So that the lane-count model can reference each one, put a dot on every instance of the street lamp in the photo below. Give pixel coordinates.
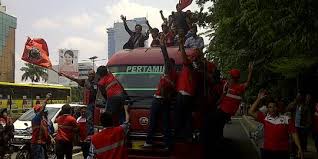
(93, 60)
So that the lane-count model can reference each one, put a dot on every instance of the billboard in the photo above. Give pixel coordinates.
(68, 64)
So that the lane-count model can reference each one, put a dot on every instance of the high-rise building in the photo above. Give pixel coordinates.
(117, 35)
(8, 24)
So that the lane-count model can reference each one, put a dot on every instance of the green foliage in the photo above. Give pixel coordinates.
(283, 32)
(34, 73)
(77, 94)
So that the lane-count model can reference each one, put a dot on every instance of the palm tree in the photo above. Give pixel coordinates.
(34, 72)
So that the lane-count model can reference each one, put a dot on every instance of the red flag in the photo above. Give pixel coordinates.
(184, 3)
(36, 52)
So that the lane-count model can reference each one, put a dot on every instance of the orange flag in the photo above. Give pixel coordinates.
(37, 53)
(184, 3)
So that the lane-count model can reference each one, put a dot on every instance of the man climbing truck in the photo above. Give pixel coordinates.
(139, 71)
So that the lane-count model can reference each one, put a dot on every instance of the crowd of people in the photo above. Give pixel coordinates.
(178, 22)
(298, 119)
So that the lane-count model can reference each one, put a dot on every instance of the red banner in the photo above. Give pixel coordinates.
(184, 3)
(37, 53)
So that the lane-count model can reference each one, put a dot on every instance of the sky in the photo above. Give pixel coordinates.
(78, 24)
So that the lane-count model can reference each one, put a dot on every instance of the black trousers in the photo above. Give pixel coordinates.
(159, 106)
(221, 118)
(85, 148)
(268, 154)
(183, 116)
(64, 148)
(115, 105)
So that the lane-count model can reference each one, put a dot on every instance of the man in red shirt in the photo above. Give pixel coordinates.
(40, 130)
(113, 92)
(65, 133)
(186, 88)
(162, 97)
(230, 99)
(169, 36)
(109, 143)
(81, 122)
(277, 128)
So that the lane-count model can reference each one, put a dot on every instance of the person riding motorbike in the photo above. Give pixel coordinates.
(6, 132)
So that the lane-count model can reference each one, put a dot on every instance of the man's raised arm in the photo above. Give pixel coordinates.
(182, 50)
(80, 82)
(48, 96)
(125, 25)
(249, 77)
(167, 62)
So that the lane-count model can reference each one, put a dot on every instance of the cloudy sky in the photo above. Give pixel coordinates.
(78, 24)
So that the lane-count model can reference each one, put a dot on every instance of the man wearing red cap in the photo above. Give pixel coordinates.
(40, 130)
(231, 98)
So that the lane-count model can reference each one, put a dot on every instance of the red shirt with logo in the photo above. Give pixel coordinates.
(166, 83)
(187, 80)
(66, 127)
(81, 122)
(111, 85)
(231, 97)
(276, 131)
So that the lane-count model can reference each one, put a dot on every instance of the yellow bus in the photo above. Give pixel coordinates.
(22, 96)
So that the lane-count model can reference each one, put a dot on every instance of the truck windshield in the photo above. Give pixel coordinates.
(139, 85)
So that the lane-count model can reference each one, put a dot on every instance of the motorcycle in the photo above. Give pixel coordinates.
(5, 149)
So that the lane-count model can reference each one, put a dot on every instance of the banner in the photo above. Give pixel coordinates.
(68, 62)
(36, 52)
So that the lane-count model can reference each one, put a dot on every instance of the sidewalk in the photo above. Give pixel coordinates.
(251, 125)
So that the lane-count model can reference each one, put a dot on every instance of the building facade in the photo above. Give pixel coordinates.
(8, 24)
(117, 35)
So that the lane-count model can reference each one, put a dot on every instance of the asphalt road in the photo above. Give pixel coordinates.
(237, 143)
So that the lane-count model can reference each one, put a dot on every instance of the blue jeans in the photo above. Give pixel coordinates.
(90, 118)
(38, 151)
(159, 106)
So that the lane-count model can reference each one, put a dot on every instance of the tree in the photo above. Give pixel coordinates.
(281, 35)
(34, 73)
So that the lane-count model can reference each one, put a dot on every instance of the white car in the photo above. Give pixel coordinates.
(22, 125)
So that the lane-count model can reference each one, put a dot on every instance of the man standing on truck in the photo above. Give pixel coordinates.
(90, 91)
(109, 143)
(40, 130)
(113, 92)
(186, 88)
(162, 97)
(137, 38)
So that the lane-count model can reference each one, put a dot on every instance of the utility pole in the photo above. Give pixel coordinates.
(93, 60)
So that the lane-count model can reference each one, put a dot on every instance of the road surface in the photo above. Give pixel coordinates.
(237, 143)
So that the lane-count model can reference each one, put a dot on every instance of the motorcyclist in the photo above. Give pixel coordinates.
(6, 131)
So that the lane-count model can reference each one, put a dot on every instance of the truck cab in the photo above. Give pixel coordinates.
(139, 71)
